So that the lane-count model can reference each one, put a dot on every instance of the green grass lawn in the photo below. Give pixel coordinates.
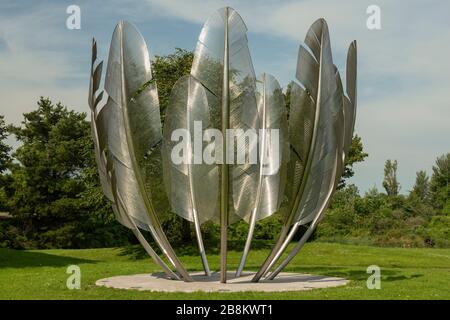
(406, 273)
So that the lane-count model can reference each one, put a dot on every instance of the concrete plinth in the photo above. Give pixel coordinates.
(283, 282)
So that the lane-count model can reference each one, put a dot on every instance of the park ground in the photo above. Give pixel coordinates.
(406, 273)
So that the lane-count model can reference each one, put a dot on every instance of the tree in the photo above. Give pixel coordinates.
(390, 182)
(167, 70)
(440, 183)
(5, 157)
(55, 159)
(5, 161)
(356, 154)
(421, 187)
(287, 98)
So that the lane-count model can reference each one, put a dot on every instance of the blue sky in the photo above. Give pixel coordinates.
(404, 74)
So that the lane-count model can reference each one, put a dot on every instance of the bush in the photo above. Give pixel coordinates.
(438, 231)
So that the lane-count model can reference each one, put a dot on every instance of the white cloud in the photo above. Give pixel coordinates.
(404, 107)
(33, 63)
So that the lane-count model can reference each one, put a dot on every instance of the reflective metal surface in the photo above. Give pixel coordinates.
(223, 66)
(313, 164)
(129, 125)
(190, 187)
(105, 166)
(345, 123)
(272, 161)
(302, 169)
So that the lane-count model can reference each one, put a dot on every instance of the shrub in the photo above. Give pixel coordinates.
(438, 231)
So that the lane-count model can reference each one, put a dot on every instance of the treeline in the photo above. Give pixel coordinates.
(419, 219)
(49, 187)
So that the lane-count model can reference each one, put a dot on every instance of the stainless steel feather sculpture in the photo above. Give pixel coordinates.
(223, 67)
(190, 186)
(222, 173)
(129, 126)
(272, 163)
(316, 136)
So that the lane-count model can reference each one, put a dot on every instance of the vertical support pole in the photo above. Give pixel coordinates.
(224, 174)
(198, 231)
(293, 253)
(311, 228)
(248, 242)
(201, 247)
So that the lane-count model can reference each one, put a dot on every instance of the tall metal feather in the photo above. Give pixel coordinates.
(93, 100)
(104, 163)
(223, 66)
(121, 209)
(313, 163)
(190, 184)
(344, 131)
(350, 97)
(273, 155)
(131, 121)
(97, 134)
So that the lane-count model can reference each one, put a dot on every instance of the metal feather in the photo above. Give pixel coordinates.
(130, 121)
(190, 184)
(273, 156)
(350, 97)
(246, 178)
(99, 144)
(122, 211)
(319, 100)
(222, 65)
(345, 121)
(105, 163)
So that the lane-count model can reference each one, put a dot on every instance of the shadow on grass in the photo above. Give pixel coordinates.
(386, 274)
(10, 258)
(137, 251)
(350, 272)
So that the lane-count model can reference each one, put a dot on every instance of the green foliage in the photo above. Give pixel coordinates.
(386, 220)
(167, 70)
(421, 188)
(52, 190)
(440, 182)
(5, 162)
(356, 154)
(5, 158)
(54, 195)
(266, 229)
(406, 273)
(438, 231)
(390, 182)
(287, 98)
(392, 219)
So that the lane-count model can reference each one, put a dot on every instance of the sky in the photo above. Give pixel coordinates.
(403, 70)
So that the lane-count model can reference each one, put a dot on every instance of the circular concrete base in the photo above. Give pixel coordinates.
(160, 283)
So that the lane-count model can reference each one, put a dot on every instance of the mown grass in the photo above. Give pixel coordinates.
(405, 273)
